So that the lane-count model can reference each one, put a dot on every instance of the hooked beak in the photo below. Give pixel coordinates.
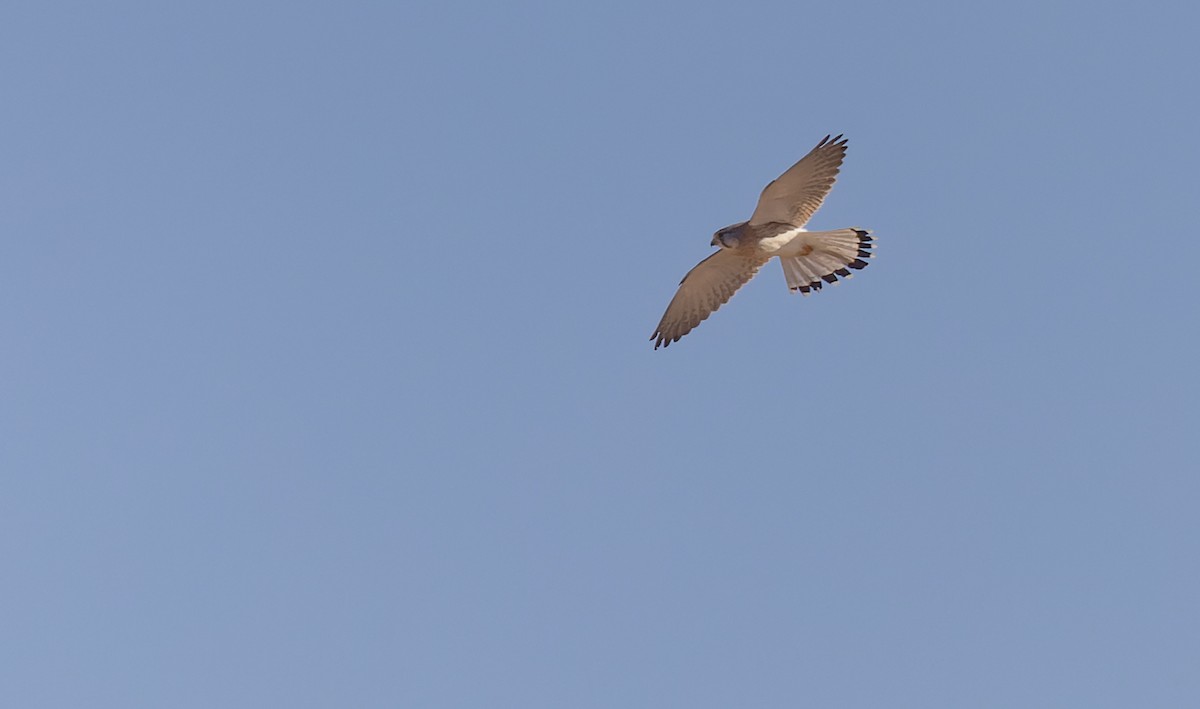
(713, 242)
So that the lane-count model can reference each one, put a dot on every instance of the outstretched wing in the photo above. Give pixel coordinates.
(798, 193)
(704, 289)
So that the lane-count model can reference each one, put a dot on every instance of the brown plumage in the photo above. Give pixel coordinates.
(809, 258)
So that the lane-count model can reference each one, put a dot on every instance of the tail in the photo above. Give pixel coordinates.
(817, 256)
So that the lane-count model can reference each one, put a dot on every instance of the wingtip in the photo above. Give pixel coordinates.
(835, 141)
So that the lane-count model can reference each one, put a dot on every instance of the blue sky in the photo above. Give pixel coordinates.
(328, 380)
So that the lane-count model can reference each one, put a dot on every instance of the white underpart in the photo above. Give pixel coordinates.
(780, 244)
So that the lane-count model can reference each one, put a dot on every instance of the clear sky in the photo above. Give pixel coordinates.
(327, 380)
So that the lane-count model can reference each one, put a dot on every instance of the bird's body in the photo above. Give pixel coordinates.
(775, 230)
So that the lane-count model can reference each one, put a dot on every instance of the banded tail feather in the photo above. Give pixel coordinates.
(826, 256)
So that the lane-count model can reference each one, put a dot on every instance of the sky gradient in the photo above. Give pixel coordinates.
(328, 380)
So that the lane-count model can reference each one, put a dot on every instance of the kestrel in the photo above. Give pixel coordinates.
(775, 229)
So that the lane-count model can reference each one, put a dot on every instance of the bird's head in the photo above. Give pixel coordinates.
(729, 237)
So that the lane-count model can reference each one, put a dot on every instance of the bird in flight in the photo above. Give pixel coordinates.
(809, 258)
